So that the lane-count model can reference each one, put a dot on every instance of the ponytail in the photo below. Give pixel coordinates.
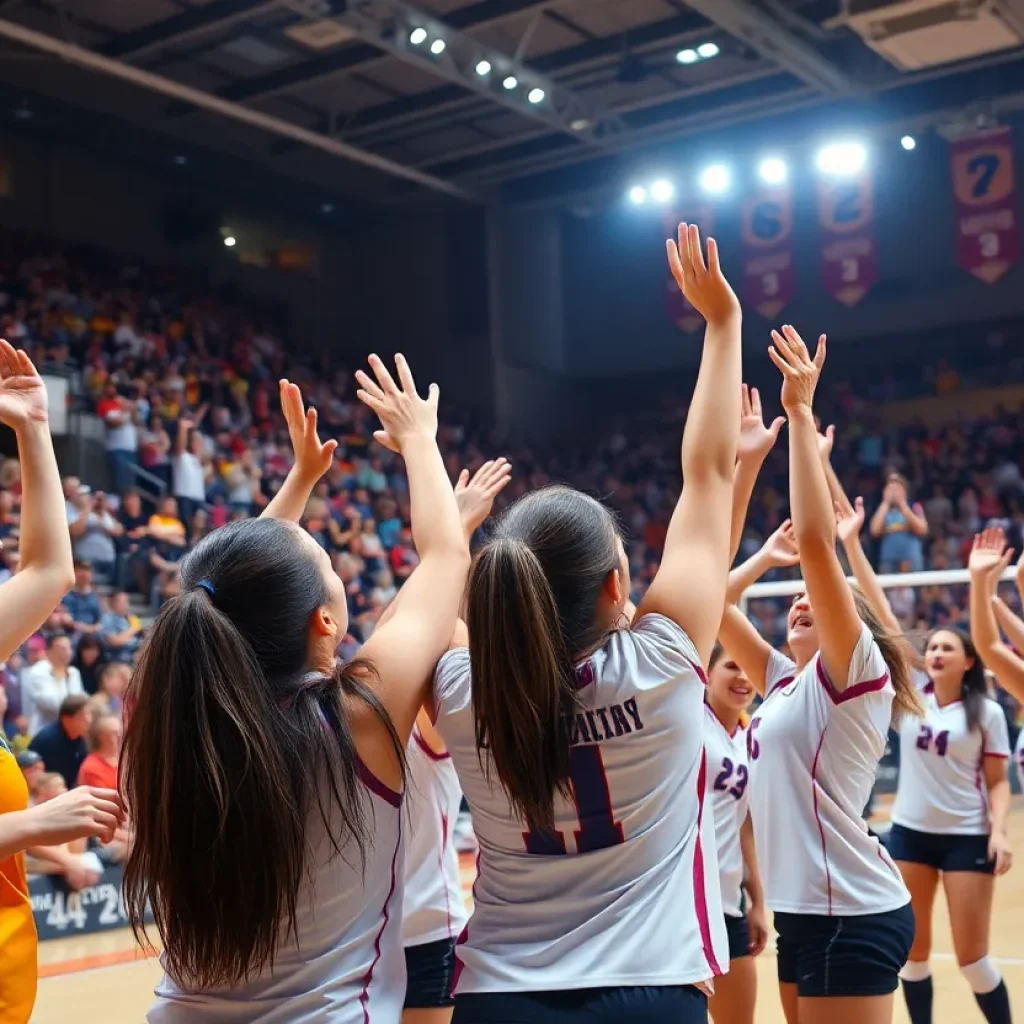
(230, 748)
(524, 683)
(898, 657)
(973, 686)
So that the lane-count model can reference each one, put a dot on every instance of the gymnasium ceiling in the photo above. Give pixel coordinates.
(405, 123)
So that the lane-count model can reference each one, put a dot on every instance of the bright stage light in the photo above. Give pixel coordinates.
(908, 142)
(708, 50)
(715, 179)
(229, 241)
(437, 47)
(417, 36)
(662, 190)
(483, 67)
(535, 95)
(842, 158)
(511, 82)
(687, 57)
(773, 171)
(638, 195)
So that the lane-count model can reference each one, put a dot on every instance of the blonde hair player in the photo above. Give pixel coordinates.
(841, 909)
(579, 740)
(434, 912)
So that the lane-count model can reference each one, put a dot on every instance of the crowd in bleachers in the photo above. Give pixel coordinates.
(185, 384)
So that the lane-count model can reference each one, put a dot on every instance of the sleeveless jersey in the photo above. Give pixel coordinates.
(942, 782)
(728, 777)
(813, 753)
(627, 883)
(17, 928)
(433, 908)
(347, 966)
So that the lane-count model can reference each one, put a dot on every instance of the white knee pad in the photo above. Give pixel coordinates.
(916, 970)
(983, 976)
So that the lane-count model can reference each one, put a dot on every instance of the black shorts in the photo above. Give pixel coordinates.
(739, 936)
(942, 852)
(654, 1004)
(844, 956)
(430, 969)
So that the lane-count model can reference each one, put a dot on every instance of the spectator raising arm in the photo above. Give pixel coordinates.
(46, 571)
(312, 459)
(689, 587)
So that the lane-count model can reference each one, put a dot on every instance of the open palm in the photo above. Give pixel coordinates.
(312, 458)
(22, 392)
(756, 440)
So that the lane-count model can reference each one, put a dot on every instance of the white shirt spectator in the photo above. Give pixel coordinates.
(189, 481)
(43, 690)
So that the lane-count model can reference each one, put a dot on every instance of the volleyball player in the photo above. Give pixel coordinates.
(725, 741)
(841, 909)
(578, 740)
(265, 784)
(434, 912)
(44, 575)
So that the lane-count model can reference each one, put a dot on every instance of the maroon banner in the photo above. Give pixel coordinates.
(768, 270)
(985, 196)
(849, 249)
(679, 310)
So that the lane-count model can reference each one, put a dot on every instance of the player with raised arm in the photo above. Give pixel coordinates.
(841, 909)
(579, 740)
(246, 743)
(45, 573)
(434, 912)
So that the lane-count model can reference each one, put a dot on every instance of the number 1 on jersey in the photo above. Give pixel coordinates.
(598, 827)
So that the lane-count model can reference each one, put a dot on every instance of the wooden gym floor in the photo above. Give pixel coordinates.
(105, 979)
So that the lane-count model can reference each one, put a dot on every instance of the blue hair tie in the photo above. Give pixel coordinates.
(207, 586)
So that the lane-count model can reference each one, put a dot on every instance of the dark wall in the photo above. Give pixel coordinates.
(615, 270)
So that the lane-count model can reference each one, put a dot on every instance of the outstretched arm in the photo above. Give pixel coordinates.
(689, 587)
(45, 573)
(777, 551)
(988, 559)
(312, 459)
(745, 646)
(839, 625)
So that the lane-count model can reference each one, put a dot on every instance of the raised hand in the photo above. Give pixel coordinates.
(989, 554)
(800, 372)
(475, 497)
(825, 442)
(849, 519)
(780, 548)
(22, 392)
(704, 285)
(403, 414)
(756, 440)
(83, 813)
(312, 459)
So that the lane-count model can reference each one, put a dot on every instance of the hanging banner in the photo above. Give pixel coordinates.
(985, 195)
(849, 249)
(769, 273)
(679, 310)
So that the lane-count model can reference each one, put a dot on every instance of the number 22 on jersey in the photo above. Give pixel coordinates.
(598, 827)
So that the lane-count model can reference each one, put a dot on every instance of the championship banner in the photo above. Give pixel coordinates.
(849, 249)
(679, 310)
(768, 269)
(985, 196)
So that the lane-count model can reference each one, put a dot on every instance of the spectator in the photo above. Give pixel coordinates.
(61, 744)
(120, 630)
(33, 767)
(132, 554)
(100, 767)
(82, 603)
(900, 527)
(187, 464)
(114, 677)
(155, 451)
(88, 661)
(48, 683)
(79, 868)
(119, 417)
(94, 533)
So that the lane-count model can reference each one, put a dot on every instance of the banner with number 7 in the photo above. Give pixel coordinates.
(985, 194)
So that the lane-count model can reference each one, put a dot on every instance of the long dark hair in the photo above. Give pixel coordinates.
(973, 686)
(231, 744)
(532, 604)
(898, 656)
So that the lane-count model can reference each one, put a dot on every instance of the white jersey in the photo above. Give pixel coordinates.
(1018, 757)
(942, 783)
(434, 908)
(627, 883)
(813, 754)
(347, 966)
(728, 776)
